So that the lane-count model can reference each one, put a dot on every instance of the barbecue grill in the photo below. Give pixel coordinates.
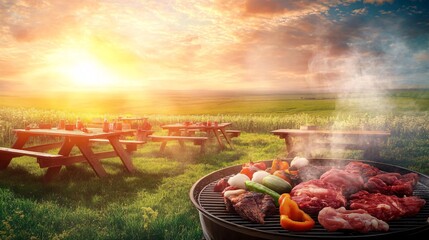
(217, 223)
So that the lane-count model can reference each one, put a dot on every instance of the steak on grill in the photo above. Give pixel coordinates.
(358, 220)
(364, 170)
(392, 184)
(312, 196)
(347, 181)
(252, 206)
(221, 184)
(386, 207)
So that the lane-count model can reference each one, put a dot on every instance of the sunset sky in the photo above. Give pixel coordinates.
(268, 45)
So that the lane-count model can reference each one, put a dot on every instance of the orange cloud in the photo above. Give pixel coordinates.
(378, 2)
(29, 20)
(196, 44)
(251, 8)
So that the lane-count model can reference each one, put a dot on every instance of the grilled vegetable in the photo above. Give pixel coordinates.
(233, 192)
(292, 217)
(257, 187)
(238, 180)
(284, 174)
(247, 171)
(259, 175)
(277, 184)
(299, 162)
(278, 164)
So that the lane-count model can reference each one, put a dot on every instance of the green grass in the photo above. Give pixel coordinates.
(153, 202)
(212, 103)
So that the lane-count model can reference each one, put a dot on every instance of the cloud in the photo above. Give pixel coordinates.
(32, 20)
(422, 56)
(252, 8)
(365, 55)
(231, 43)
(378, 2)
(360, 11)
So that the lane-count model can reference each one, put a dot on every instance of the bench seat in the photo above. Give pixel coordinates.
(13, 152)
(164, 139)
(20, 152)
(130, 145)
(304, 141)
(233, 133)
(141, 135)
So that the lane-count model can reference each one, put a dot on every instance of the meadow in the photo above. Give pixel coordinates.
(153, 202)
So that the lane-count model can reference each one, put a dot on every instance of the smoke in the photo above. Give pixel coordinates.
(360, 69)
(361, 62)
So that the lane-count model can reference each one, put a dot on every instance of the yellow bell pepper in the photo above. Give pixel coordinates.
(292, 217)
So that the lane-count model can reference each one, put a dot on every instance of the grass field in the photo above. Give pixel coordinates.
(214, 103)
(153, 203)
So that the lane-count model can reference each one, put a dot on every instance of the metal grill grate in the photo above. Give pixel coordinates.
(211, 205)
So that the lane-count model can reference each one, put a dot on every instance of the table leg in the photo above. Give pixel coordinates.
(182, 144)
(123, 155)
(371, 150)
(222, 146)
(65, 151)
(163, 144)
(228, 140)
(19, 143)
(94, 161)
(289, 146)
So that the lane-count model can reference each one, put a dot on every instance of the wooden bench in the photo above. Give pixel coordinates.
(130, 145)
(233, 133)
(13, 152)
(141, 135)
(306, 140)
(164, 139)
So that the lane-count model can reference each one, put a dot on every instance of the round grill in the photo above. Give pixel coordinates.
(217, 223)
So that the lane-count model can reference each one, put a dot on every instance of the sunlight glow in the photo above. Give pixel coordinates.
(81, 70)
(90, 73)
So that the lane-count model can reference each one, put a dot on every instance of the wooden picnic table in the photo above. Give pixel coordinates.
(369, 141)
(141, 125)
(71, 138)
(178, 129)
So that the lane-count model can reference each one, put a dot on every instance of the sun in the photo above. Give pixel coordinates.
(85, 70)
(89, 72)
(96, 64)
(80, 69)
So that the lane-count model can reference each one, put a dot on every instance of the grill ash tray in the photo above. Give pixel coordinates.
(217, 223)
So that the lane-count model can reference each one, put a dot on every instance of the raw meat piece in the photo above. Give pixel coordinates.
(386, 207)
(358, 220)
(221, 184)
(312, 196)
(348, 182)
(364, 170)
(392, 184)
(251, 206)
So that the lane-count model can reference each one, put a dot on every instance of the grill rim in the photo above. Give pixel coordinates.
(203, 182)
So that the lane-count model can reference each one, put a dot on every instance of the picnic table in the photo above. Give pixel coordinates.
(71, 138)
(369, 141)
(211, 129)
(141, 125)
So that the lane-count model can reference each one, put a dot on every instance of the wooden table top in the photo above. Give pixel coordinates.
(329, 132)
(131, 118)
(92, 132)
(195, 125)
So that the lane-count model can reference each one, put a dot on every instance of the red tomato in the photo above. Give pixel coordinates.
(247, 171)
(260, 165)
